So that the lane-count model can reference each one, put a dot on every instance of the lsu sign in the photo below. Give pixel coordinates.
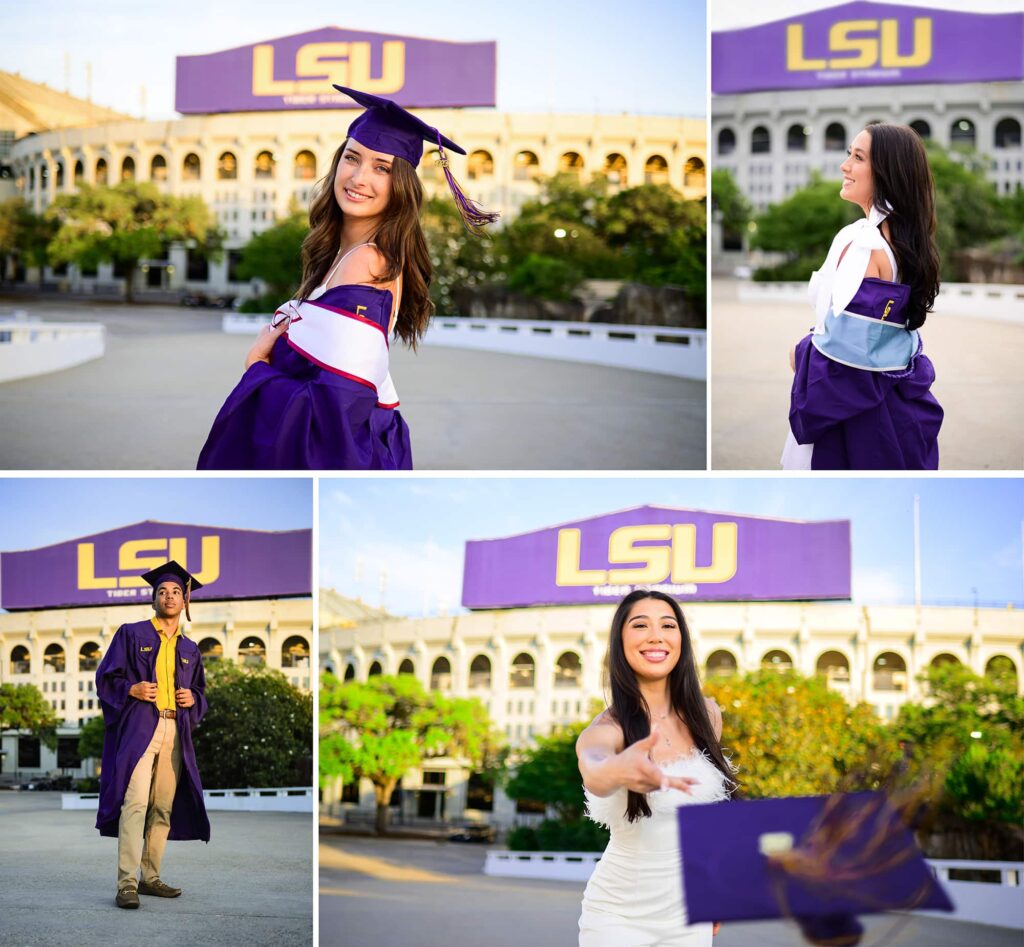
(298, 72)
(106, 569)
(866, 43)
(690, 554)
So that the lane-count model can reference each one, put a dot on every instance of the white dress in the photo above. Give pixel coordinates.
(635, 896)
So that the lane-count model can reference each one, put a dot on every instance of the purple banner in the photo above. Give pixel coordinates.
(864, 44)
(297, 72)
(690, 555)
(105, 569)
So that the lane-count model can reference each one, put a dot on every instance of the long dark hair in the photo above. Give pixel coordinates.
(629, 708)
(399, 239)
(903, 181)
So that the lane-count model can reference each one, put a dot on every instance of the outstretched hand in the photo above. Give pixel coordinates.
(639, 773)
(264, 345)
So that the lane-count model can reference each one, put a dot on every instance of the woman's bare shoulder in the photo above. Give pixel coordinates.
(603, 730)
(365, 264)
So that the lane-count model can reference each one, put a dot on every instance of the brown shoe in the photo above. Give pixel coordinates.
(127, 898)
(159, 889)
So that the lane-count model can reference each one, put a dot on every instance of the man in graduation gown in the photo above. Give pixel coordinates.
(151, 687)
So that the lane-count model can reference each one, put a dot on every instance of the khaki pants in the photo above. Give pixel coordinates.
(146, 810)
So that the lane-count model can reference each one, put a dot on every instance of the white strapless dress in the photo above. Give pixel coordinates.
(635, 896)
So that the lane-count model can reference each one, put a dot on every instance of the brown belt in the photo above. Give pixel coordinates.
(171, 714)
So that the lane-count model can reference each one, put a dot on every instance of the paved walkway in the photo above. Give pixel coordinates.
(401, 893)
(466, 410)
(979, 384)
(251, 886)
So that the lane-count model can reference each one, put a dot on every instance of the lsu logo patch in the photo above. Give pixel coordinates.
(184, 660)
(147, 648)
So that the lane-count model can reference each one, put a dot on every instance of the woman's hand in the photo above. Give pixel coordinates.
(792, 359)
(715, 928)
(183, 697)
(636, 770)
(144, 690)
(262, 347)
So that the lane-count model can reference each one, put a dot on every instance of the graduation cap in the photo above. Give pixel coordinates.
(172, 572)
(820, 860)
(388, 128)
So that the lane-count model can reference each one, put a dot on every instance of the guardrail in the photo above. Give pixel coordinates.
(681, 353)
(30, 348)
(274, 799)
(553, 866)
(1001, 301)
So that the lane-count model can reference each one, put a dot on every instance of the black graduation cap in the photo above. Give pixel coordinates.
(172, 572)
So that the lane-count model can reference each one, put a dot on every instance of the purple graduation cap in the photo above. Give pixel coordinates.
(172, 572)
(820, 860)
(388, 128)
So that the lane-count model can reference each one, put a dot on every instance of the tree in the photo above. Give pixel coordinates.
(548, 772)
(275, 256)
(23, 707)
(124, 224)
(90, 739)
(25, 234)
(380, 729)
(729, 202)
(258, 730)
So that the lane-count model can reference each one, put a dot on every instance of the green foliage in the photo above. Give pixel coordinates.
(523, 839)
(548, 772)
(382, 728)
(23, 707)
(258, 730)
(580, 835)
(275, 256)
(266, 303)
(544, 277)
(729, 201)
(89, 784)
(792, 736)
(25, 234)
(90, 739)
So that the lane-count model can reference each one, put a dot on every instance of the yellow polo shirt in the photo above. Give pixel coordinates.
(165, 668)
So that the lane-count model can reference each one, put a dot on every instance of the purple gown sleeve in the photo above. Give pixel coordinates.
(198, 710)
(112, 684)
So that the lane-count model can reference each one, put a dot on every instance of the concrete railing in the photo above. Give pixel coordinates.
(552, 866)
(999, 902)
(30, 348)
(664, 351)
(1004, 302)
(276, 799)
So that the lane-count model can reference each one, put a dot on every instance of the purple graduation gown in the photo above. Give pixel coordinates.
(130, 725)
(865, 420)
(294, 414)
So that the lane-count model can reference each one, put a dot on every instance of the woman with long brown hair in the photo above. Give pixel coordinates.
(317, 393)
(656, 747)
(861, 396)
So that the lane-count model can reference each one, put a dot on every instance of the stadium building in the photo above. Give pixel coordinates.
(756, 593)
(64, 603)
(259, 125)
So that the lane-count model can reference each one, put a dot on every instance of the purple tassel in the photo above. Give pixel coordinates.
(474, 217)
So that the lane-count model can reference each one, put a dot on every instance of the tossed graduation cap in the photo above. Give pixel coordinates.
(388, 128)
(172, 572)
(819, 860)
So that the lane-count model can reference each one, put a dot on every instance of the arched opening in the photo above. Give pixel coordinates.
(570, 163)
(656, 170)
(835, 137)
(524, 671)
(101, 171)
(430, 167)
(480, 673)
(796, 137)
(944, 659)
(191, 169)
(253, 652)
(158, 168)
(227, 167)
(777, 660)
(525, 166)
(923, 129)
(79, 172)
(834, 666)
(962, 133)
(726, 141)
(350, 672)
(889, 672)
(60, 175)
(295, 652)
(89, 656)
(441, 675)
(44, 177)
(720, 664)
(53, 659)
(305, 166)
(479, 165)
(264, 165)
(211, 649)
(1007, 133)
(407, 667)
(615, 169)
(695, 173)
(128, 169)
(568, 670)
(21, 660)
(1000, 667)
(375, 670)
(760, 141)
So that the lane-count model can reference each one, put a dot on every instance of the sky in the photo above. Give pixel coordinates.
(41, 511)
(646, 57)
(734, 14)
(414, 530)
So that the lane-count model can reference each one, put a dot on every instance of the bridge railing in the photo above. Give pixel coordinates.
(272, 799)
(30, 348)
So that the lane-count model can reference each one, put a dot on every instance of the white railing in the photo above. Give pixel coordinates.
(276, 799)
(1002, 301)
(30, 348)
(553, 866)
(662, 350)
(1000, 903)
